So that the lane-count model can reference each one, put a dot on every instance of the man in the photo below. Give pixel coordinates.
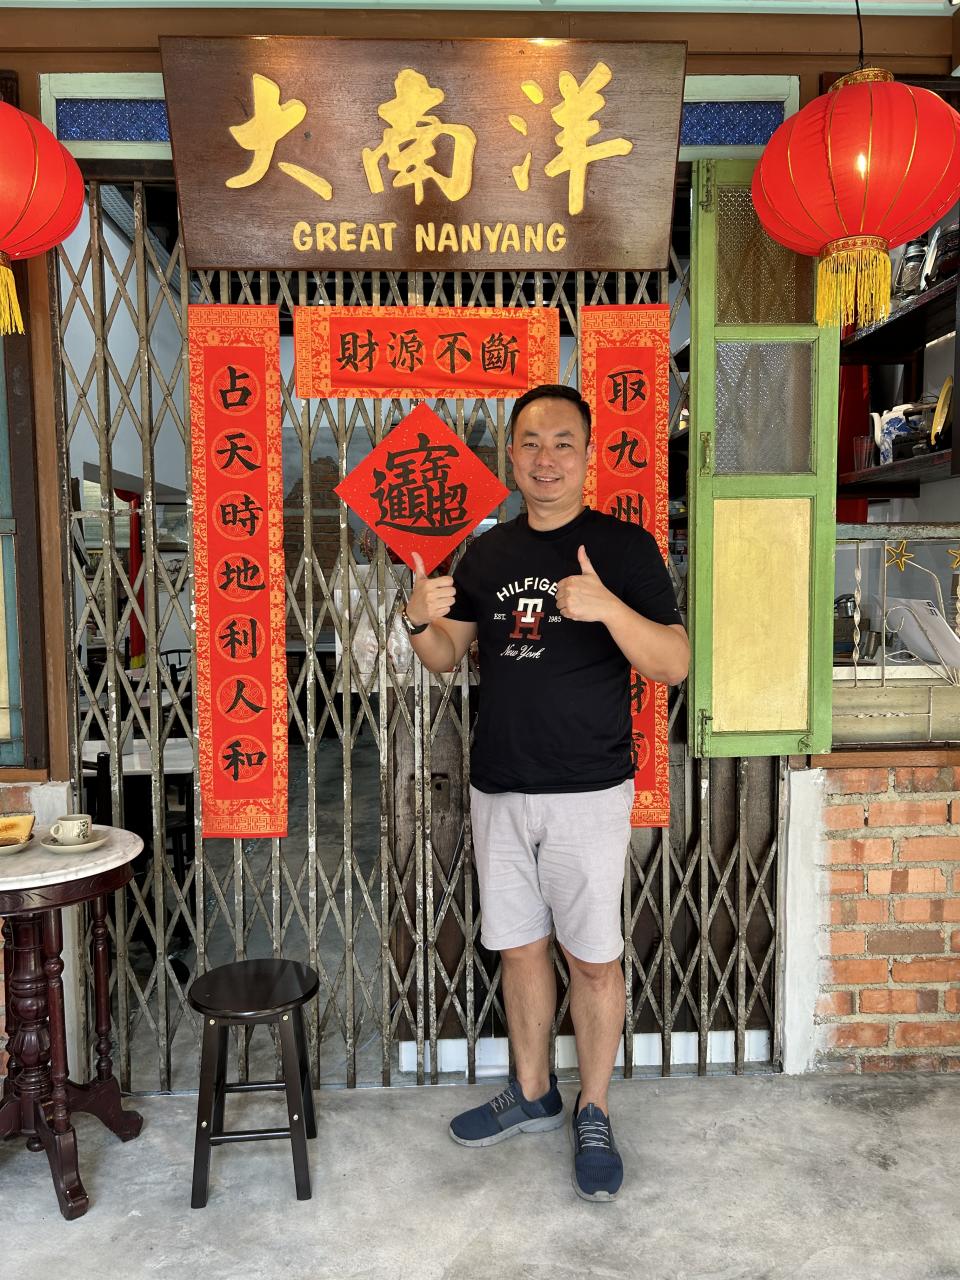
(564, 601)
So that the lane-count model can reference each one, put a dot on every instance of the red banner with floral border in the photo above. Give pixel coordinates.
(237, 485)
(424, 352)
(625, 377)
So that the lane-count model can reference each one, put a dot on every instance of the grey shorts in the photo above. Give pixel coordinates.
(553, 861)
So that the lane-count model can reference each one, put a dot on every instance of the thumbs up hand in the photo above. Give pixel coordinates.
(431, 598)
(582, 597)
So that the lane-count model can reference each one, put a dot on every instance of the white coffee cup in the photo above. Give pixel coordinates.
(72, 828)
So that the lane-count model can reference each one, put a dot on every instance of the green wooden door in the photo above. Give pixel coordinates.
(763, 409)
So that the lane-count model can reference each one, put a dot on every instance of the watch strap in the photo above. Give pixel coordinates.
(413, 628)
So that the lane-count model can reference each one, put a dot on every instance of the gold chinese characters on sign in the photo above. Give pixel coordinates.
(408, 141)
(403, 154)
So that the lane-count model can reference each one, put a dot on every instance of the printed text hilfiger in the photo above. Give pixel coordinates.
(528, 584)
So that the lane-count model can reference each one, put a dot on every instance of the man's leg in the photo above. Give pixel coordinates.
(531, 1102)
(581, 866)
(597, 1007)
(597, 1004)
(513, 911)
(530, 996)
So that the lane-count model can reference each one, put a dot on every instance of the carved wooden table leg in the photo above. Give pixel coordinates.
(6, 933)
(55, 1130)
(101, 1097)
(30, 1044)
(9, 1105)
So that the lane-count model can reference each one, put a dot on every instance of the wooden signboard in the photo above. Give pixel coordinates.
(401, 154)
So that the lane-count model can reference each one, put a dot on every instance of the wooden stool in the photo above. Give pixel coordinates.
(246, 993)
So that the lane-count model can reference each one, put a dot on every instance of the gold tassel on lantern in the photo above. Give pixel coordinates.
(11, 320)
(853, 282)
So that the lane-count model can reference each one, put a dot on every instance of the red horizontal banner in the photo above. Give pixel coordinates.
(424, 352)
(625, 369)
(239, 575)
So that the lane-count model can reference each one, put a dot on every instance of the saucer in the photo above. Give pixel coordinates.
(75, 846)
(15, 848)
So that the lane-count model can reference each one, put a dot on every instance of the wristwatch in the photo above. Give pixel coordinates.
(413, 628)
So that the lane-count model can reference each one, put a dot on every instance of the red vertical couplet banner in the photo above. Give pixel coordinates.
(625, 376)
(238, 563)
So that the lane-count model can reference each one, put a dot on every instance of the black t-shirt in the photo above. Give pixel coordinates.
(554, 694)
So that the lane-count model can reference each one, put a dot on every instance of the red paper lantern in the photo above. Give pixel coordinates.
(41, 199)
(858, 171)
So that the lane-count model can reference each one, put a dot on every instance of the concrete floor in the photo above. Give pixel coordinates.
(806, 1178)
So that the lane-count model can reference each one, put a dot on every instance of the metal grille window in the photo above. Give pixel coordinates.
(375, 885)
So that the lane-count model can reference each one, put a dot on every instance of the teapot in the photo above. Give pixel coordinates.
(887, 426)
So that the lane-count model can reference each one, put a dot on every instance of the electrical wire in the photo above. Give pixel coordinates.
(860, 27)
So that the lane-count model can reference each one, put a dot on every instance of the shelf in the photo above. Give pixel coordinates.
(874, 672)
(902, 479)
(915, 322)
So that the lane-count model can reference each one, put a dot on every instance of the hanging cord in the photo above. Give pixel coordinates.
(860, 28)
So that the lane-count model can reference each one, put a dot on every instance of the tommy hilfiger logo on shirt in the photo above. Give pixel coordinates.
(527, 618)
(529, 614)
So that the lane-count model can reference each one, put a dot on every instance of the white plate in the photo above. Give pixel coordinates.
(61, 846)
(15, 848)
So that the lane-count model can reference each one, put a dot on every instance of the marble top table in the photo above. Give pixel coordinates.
(135, 759)
(35, 866)
(38, 1098)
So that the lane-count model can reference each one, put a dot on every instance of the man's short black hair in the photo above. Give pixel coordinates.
(552, 391)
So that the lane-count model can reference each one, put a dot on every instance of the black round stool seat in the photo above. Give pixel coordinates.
(254, 990)
(243, 994)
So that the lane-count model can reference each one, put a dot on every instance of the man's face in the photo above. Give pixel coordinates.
(549, 453)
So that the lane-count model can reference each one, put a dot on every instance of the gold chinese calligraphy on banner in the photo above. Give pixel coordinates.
(312, 152)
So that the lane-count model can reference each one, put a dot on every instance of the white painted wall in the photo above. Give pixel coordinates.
(806, 910)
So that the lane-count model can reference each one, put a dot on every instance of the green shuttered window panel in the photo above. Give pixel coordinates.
(764, 386)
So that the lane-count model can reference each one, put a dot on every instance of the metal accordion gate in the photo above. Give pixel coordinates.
(374, 886)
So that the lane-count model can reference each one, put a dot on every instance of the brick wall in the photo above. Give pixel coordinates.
(889, 989)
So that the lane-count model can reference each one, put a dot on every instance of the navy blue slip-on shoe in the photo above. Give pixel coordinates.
(506, 1114)
(597, 1167)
